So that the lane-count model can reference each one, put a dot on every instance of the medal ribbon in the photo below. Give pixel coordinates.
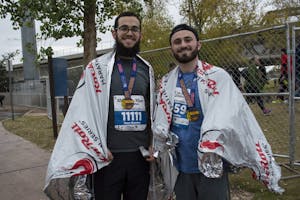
(127, 88)
(189, 98)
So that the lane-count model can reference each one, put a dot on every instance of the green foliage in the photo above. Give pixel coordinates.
(156, 32)
(60, 19)
(215, 18)
(283, 9)
(156, 26)
(4, 82)
(4, 79)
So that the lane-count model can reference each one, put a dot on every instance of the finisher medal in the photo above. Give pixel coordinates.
(193, 115)
(127, 103)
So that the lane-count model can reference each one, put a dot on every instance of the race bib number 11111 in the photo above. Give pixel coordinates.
(133, 119)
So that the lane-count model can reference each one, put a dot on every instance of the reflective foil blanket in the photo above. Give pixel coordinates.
(229, 131)
(81, 147)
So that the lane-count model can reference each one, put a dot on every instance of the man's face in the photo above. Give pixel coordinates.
(128, 32)
(184, 46)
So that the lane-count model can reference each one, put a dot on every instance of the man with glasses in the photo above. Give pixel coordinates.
(109, 122)
(128, 125)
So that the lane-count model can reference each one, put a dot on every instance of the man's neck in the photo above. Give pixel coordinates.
(188, 67)
(125, 57)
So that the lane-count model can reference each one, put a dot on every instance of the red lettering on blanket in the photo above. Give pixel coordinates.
(210, 145)
(86, 141)
(212, 85)
(96, 82)
(200, 72)
(86, 164)
(164, 106)
(206, 66)
(264, 162)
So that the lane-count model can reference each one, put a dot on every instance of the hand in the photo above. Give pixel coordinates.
(211, 165)
(110, 157)
(150, 158)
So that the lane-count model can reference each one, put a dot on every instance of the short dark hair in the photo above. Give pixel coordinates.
(283, 50)
(181, 27)
(126, 14)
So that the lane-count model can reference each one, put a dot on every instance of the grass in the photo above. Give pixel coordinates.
(243, 181)
(276, 130)
(38, 129)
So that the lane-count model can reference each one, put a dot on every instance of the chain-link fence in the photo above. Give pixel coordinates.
(295, 92)
(254, 60)
(73, 75)
(30, 93)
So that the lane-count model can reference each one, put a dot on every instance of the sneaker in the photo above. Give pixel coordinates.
(267, 111)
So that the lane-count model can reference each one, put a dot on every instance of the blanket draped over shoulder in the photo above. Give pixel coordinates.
(81, 147)
(229, 129)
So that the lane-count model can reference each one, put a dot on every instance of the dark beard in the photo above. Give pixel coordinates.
(185, 58)
(127, 52)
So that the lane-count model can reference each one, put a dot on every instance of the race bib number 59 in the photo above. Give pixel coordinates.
(179, 111)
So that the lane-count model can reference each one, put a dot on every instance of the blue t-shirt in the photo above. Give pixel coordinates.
(188, 132)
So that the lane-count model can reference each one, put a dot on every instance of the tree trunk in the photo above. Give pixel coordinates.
(89, 35)
(195, 19)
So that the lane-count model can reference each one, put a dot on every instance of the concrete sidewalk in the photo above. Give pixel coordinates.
(23, 168)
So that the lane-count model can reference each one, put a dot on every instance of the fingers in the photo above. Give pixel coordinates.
(110, 157)
(150, 158)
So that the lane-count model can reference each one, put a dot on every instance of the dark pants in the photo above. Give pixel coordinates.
(283, 85)
(127, 175)
(199, 187)
(258, 99)
(1, 100)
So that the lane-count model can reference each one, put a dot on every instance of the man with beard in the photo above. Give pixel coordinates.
(187, 118)
(201, 121)
(107, 129)
(128, 127)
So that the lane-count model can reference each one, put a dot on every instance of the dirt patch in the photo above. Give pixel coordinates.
(238, 194)
(36, 112)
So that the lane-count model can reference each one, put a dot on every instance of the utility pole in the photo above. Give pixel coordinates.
(29, 49)
(52, 96)
(10, 69)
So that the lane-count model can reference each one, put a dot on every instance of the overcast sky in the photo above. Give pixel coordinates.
(10, 39)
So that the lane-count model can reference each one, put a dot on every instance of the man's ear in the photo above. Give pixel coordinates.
(114, 33)
(141, 36)
(199, 45)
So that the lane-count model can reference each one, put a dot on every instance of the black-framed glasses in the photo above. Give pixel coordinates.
(126, 29)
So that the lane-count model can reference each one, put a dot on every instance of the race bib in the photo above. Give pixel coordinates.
(133, 119)
(180, 109)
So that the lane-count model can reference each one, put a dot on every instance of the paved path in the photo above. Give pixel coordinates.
(22, 168)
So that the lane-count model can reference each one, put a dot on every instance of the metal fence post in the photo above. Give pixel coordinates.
(292, 100)
(10, 68)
